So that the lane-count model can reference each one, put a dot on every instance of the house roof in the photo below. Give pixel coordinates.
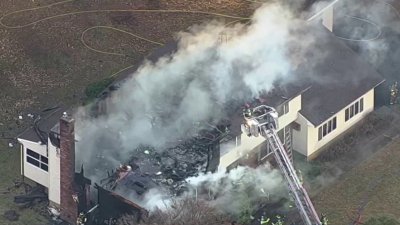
(275, 98)
(341, 77)
(42, 125)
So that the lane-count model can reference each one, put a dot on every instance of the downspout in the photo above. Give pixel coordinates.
(22, 162)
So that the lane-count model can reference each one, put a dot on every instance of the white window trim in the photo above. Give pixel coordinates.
(328, 124)
(37, 160)
(352, 108)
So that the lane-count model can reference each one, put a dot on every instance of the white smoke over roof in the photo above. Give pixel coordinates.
(196, 84)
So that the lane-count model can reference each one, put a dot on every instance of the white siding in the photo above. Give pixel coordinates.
(314, 145)
(294, 107)
(54, 174)
(248, 144)
(30, 171)
(300, 137)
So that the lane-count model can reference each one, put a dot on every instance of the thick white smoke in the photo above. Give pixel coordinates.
(163, 100)
(229, 191)
(242, 185)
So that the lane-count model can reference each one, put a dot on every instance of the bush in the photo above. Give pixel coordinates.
(94, 89)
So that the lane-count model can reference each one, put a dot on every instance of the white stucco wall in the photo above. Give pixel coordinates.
(314, 145)
(30, 171)
(54, 174)
(247, 144)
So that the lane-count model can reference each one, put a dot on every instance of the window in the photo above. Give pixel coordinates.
(327, 128)
(334, 123)
(37, 160)
(319, 133)
(351, 112)
(354, 109)
(286, 107)
(283, 109)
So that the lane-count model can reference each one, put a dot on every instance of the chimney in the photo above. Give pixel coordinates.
(327, 18)
(68, 199)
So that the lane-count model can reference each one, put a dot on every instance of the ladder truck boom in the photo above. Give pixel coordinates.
(263, 120)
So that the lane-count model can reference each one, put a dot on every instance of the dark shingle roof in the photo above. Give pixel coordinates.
(340, 78)
(48, 119)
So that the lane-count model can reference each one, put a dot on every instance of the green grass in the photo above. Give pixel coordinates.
(10, 171)
(94, 89)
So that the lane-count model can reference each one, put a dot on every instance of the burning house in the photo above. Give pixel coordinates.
(312, 114)
(168, 168)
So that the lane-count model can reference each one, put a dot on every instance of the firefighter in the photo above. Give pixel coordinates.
(278, 220)
(324, 220)
(247, 112)
(394, 92)
(264, 220)
(300, 175)
(81, 220)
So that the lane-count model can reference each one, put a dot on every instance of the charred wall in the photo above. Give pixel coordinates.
(112, 206)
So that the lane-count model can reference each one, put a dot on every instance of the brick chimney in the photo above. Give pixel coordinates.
(68, 206)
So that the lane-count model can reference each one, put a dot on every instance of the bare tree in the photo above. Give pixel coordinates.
(187, 212)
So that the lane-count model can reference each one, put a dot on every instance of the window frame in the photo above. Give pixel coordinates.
(286, 108)
(356, 108)
(327, 128)
(37, 160)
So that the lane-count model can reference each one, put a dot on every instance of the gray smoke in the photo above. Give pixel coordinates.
(197, 84)
(380, 19)
(229, 191)
(241, 186)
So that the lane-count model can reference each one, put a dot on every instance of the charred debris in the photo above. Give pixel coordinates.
(168, 168)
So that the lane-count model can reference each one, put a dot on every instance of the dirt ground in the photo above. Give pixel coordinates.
(45, 63)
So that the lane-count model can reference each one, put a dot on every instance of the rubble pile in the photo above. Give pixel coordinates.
(169, 167)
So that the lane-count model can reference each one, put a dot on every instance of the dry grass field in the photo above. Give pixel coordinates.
(50, 53)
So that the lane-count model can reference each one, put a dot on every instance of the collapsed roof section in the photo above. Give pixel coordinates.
(168, 168)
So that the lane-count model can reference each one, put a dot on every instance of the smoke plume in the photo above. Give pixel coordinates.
(371, 28)
(197, 84)
(231, 192)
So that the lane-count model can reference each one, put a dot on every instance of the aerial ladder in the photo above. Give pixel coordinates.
(263, 120)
